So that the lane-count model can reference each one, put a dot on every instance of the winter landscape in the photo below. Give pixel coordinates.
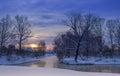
(59, 38)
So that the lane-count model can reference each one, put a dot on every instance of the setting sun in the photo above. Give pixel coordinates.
(33, 45)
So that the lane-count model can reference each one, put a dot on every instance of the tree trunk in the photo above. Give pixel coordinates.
(79, 41)
(100, 44)
(20, 43)
(77, 51)
(1, 47)
(20, 46)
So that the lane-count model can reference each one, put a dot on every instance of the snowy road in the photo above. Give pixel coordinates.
(25, 71)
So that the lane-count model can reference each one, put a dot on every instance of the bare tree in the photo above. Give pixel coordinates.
(98, 32)
(5, 29)
(111, 32)
(22, 30)
(42, 46)
(80, 25)
(65, 44)
(117, 33)
(59, 45)
(75, 23)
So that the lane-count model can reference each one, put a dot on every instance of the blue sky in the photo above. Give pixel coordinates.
(46, 15)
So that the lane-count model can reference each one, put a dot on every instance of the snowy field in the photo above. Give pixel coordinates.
(4, 60)
(25, 71)
(92, 60)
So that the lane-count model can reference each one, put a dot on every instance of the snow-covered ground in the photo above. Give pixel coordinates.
(16, 59)
(92, 60)
(25, 71)
(5, 60)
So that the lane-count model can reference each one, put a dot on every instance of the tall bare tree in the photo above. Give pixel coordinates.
(22, 29)
(80, 25)
(98, 32)
(5, 29)
(111, 24)
(117, 33)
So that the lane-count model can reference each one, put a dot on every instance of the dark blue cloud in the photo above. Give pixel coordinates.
(48, 14)
(102, 7)
(51, 11)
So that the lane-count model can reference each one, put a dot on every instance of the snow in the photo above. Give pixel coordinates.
(92, 60)
(25, 71)
(16, 60)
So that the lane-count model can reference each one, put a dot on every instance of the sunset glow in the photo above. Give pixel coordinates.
(33, 46)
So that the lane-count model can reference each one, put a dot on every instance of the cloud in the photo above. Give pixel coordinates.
(47, 19)
(46, 15)
(47, 33)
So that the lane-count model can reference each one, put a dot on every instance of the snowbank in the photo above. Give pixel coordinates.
(16, 60)
(92, 60)
(24, 71)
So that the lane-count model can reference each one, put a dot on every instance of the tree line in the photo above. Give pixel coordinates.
(15, 30)
(89, 35)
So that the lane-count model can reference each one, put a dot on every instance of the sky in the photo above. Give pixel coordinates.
(46, 16)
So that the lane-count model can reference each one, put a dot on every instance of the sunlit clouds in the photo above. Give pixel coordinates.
(47, 33)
